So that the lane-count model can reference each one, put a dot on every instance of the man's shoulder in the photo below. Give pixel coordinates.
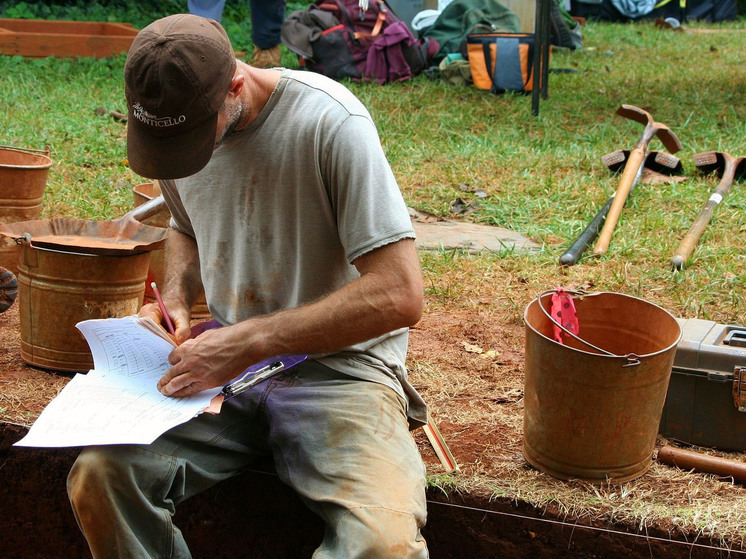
(334, 91)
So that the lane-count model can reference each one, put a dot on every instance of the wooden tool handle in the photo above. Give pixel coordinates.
(573, 252)
(689, 460)
(629, 176)
(690, 240)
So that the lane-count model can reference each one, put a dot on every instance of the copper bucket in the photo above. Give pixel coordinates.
(71, 270)
(594, 402)
(143, 193)
(23, 179)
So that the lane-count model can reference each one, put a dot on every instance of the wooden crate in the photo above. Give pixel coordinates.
(41, 38)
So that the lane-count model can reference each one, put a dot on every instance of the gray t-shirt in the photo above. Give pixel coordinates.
(286, 205)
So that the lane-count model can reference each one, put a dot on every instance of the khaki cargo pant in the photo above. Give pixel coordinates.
(343, 444)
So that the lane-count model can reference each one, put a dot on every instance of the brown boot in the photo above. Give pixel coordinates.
(266, 58)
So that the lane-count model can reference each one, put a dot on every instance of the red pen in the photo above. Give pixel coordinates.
(164, 312)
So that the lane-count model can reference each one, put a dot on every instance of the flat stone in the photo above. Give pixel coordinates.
(472, 237)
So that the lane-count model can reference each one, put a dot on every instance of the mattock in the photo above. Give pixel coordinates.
(633, 167)
(728, 168)
(658, 161)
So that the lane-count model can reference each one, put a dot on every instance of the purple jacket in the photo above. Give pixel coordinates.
(386, 60)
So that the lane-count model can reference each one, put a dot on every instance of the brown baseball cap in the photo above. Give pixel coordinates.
(177, 76)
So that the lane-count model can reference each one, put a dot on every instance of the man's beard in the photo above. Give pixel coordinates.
(233, 119)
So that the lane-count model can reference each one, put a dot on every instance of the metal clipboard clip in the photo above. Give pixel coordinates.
(259, 373)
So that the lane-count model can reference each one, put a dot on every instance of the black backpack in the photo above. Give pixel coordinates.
(340, 39)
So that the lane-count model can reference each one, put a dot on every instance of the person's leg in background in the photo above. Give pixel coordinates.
(267, 17)
(212, 9)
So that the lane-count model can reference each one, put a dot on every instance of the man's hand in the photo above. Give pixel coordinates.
(209, 360)
(180, 316)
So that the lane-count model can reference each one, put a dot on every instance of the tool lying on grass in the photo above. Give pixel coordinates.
(728, 168)
(658, 161)
(690, 460)
(632, 167)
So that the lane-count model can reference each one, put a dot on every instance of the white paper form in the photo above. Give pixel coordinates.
(117, 403)
(124, 347)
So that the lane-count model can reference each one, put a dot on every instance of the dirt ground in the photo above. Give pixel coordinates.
(468, 365)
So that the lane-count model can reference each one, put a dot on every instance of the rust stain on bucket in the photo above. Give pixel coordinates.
(589, 414)
(58, 289)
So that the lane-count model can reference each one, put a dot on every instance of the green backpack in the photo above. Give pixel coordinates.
(461, 18)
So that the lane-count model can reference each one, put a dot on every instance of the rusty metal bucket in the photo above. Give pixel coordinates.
(57, 289)
(23, 179)
(143, 193)
(594, 403)
(71, 270)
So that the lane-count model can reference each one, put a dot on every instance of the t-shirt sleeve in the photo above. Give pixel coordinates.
(368, 204)
(179, 218)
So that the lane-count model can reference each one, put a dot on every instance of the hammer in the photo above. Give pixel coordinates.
(658, 161)
(728, 168)
(633, 167)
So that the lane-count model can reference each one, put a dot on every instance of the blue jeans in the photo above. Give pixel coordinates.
(267, 17)
(343, 444)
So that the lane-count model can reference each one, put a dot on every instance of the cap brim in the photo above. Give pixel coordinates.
(174, 157)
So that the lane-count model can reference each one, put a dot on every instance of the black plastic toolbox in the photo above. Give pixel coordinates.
(706, 398)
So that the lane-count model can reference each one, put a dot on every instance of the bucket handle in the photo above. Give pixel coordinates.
(46, 151)
(30, 257)
(632, 358)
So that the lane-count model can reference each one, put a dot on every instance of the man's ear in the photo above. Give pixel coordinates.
(237, 84)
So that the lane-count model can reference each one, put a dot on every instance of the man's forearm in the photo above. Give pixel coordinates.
(386, 297)
(182, 275)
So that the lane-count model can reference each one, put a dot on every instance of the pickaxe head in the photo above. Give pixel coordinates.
(663, 132)
(719, 161)
(658, 161)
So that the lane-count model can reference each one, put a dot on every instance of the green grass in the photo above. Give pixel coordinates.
(542, 175)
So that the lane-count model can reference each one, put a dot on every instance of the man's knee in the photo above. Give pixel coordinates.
(88, 477)
(382, 533)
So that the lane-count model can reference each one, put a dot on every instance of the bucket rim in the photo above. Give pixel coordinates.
(631, 358)
(23, 243)
(45, 154)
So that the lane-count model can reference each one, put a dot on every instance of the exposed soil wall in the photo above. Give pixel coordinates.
(255, 515)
